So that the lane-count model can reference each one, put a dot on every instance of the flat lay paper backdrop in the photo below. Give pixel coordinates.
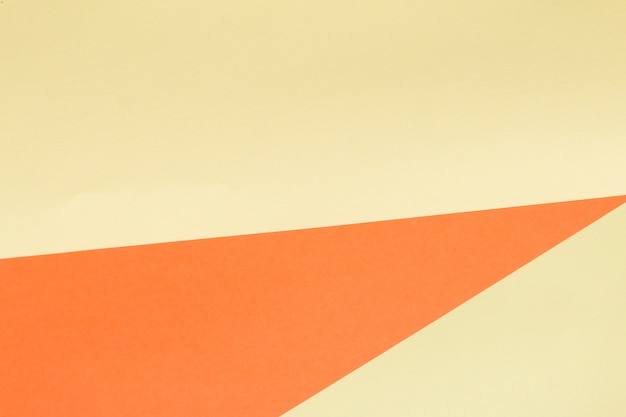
(125, 122)
(248, 325)
(546, 340)
(130, 123)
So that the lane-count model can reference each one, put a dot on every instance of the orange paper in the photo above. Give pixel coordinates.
(249, 325)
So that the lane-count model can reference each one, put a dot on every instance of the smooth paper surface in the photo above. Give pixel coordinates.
(158, 123)
(261, 322)
(546, 341)
(130, 122)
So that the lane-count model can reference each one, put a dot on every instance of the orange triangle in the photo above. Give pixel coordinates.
(248, 325)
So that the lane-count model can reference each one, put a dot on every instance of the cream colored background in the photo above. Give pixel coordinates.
(128, 122)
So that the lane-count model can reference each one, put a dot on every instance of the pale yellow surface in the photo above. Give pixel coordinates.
(125, 121)
(547, 341)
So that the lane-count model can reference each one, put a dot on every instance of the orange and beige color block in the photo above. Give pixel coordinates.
(323, 209)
